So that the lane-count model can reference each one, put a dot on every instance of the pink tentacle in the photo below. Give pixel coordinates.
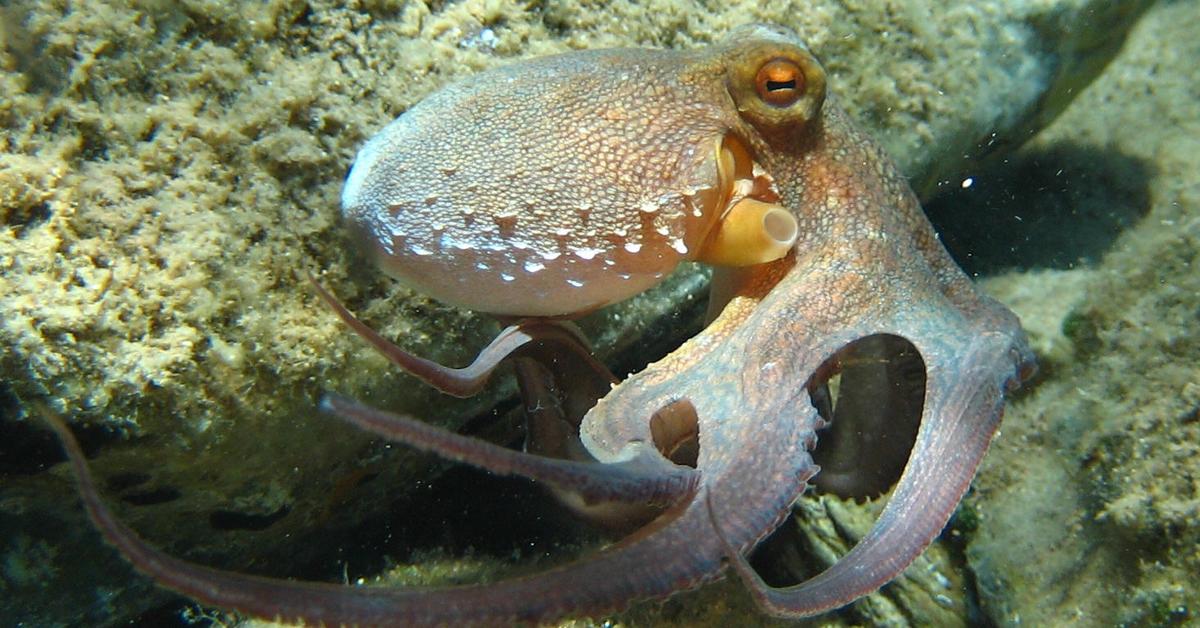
(963, 410)
(466, 381)
(646, 478)
(667, 555)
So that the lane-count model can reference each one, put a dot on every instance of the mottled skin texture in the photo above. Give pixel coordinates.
(867, 265)
(550, 187)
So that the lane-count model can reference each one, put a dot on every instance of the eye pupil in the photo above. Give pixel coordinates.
(780, 82)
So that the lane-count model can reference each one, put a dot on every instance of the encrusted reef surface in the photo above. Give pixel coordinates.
(1089, 503)
(170, 174)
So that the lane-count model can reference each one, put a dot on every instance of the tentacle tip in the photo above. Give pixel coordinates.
(316, 284)
(1026, 371)
(807, 475)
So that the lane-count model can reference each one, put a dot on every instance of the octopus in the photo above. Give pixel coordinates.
(845, 348)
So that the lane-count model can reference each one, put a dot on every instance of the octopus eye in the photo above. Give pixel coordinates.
(780, 82)
(778, 88)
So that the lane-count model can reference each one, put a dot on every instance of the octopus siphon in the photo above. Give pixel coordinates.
(551, 187)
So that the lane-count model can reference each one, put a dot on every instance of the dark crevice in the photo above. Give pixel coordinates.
(233, 520)
(25, 219)
(160, 495)
(784, 558)
(125, 481)
(28, 447)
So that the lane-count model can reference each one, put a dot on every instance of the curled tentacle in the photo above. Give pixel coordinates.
(962, 412)
(605, 581)
(467, 381)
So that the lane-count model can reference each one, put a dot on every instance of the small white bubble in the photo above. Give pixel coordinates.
(506, 277)
(633, 247)
(586, 253)
(648, 207)
(562, 231)
(679, 246)
(533, 267)
(663, 230)
(482, 266)
(420, 250)
(968, 182)
(550, 255)
(574, 283)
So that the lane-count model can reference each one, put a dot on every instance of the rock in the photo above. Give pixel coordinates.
(929, 593)
(1089, 502)
(170, 177)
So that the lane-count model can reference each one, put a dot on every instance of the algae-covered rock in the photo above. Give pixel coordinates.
(170, 177)
(931, 591)
(1090, 500)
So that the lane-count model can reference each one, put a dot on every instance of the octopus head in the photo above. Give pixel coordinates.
(563, 184)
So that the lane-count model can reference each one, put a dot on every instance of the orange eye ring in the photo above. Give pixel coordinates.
(780, 82)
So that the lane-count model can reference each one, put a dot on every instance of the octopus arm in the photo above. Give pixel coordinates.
(644, 477)
(965, 402)
(662, 557)
(528, 335)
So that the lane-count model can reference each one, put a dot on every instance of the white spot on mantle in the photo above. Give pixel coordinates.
(586, 253)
